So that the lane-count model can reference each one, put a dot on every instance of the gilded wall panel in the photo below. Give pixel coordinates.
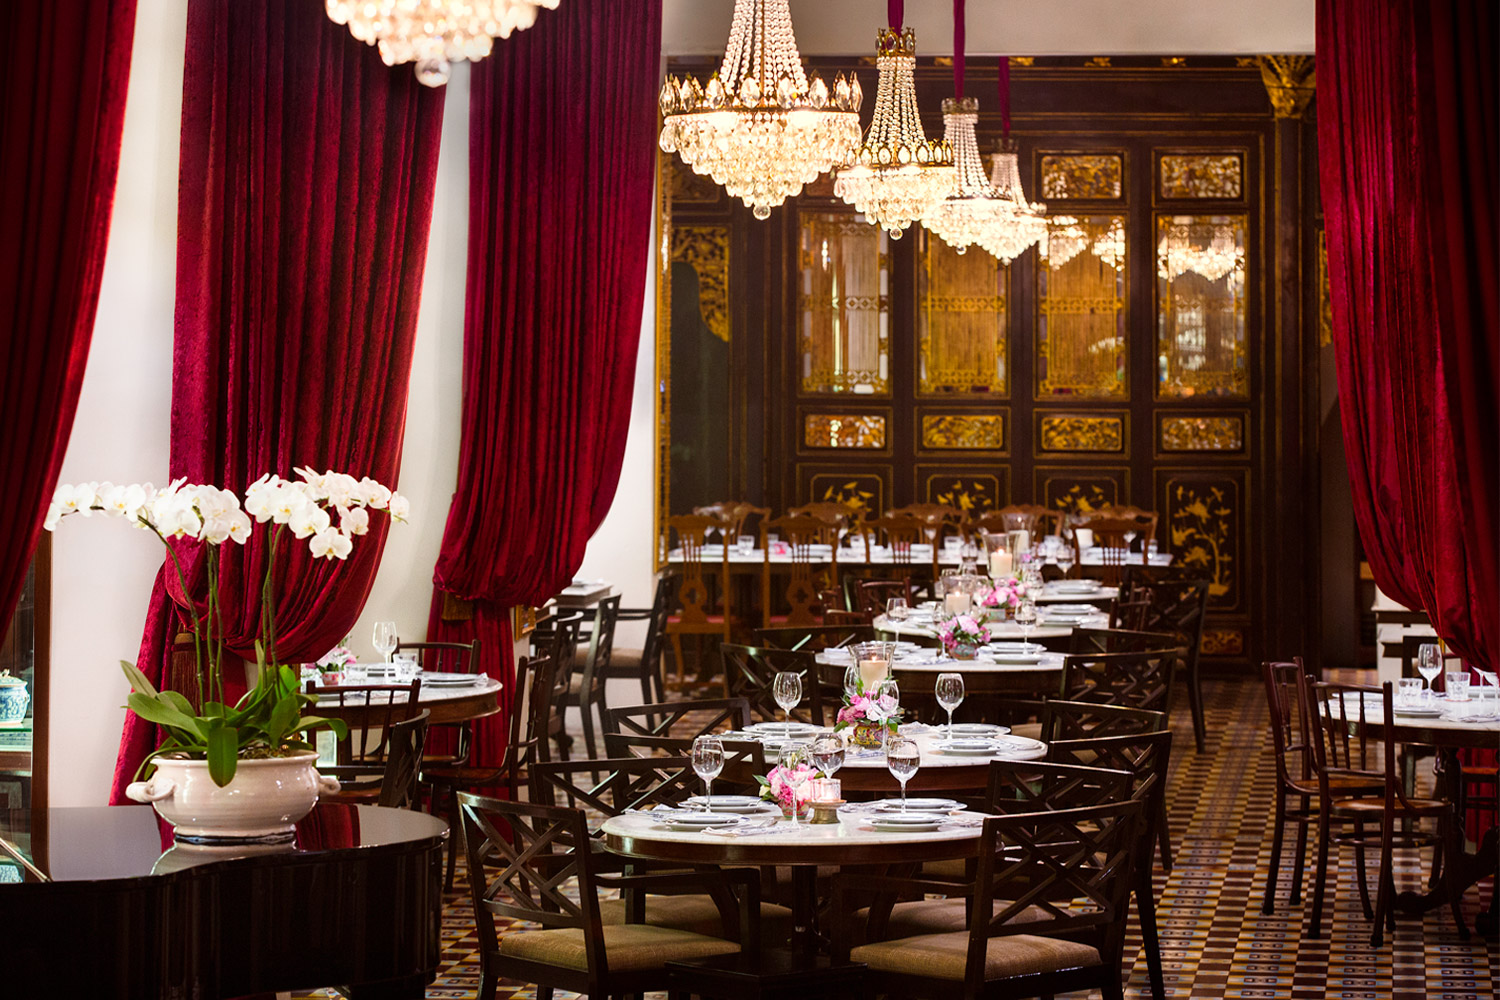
(706, 250)
(1081, 318)
(1201, 300)
(962, 321)
(1204, 517)
(1201, 433)
(1082, 175)
(1078, 491)
(1073, 432)
(1223, 642)
(967, 490)
(1202, 175)
(843, 305)
(966, 431)
(843, 430)
(864, 492)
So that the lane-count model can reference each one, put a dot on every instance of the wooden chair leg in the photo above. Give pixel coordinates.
(586, 714)
(677, 658)
(1145, 909)
(1359, 867)
(1320, 880)
(1164, 836)
(1452, 835)
(1300, 865)
(1384, 894)
(1195, 702)
(1269, 905)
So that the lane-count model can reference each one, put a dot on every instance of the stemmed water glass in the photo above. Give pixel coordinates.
(786, 688)
(827, 753)
(1429, 665)
(1065, 555)
(896, 609)
(708, 761)
(1025, 614)
(950, 694)
(902, 759)
(384, 639)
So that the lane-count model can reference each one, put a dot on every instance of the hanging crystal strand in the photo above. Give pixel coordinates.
(434, 33)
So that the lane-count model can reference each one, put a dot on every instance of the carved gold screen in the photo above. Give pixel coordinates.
(962, 321)
(843, 305)
(1200, 293)
(1081, 308)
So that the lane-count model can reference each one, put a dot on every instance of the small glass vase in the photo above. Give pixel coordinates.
(786, 810)
(965, 652)
(866, 734)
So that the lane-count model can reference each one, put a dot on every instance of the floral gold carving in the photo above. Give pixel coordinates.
(968, 431)
(1077, 496)
(1098, 62)
(706, 250)
(1023, 60)
(840, 430)
(1202, 433)
(1203, 524)
(1082, 175)
(967, 493)
(1290, 83)
(1174, 62)
(861, 494)
(1205, 175)
(1201, 301)
(689, 186)
(1223, 642)
(1073, 433)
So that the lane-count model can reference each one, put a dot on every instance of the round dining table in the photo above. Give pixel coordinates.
(984, 675)
(446, 704)
(803, 846)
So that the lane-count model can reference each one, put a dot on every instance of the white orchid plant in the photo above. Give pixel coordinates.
(269, 720)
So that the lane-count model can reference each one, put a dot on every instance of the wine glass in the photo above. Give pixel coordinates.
(902, 759)
(786, 688)
(384, 640)
(1025, 614)
(1065, 556)
(1429, 665)
(708, 761)
(950, 694)
(827, 753)
(896, 609)
(851, 681)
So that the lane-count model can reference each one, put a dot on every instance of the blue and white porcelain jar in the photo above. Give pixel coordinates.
(13, 699)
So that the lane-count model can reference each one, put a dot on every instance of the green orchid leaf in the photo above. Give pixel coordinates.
(339, 728)
(283, 718)
(137, 679)
(223, 754)
(214, 710)
(162, 713)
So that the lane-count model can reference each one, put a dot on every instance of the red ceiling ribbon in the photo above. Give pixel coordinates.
(958, 50)
(1005, 95)
(895, 12)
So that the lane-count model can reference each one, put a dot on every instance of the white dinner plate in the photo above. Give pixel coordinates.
(972, 729)
(782, 729)
(1416, 712)
(923, 661)
(1063, 619)
(910, 823)
(1018, 658)
(1016, 647)
(971, 746)
(701, 821)
(1072, 609)
(1075, 586)
(915, 804)
(1011, 745)
(449, 680)
(732, 803)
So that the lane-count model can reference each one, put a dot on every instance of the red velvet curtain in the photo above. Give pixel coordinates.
(65, 65)
(1407, 138)
(562, 134)
(306, 181)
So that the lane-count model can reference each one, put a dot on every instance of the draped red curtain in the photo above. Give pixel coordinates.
(562, 133)
(1407, 138)
(305, 197)
(65, 65)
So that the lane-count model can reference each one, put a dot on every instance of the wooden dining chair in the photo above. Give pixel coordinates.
(644, 664)
(557, 639)
(453, 741)
(898, 532)
(1137, 680)
(813, 636)
(522, 856)
(1112, 538)
(1145, 521)
(371, 711)
(750, 673)
(1178, 606)
(740, 756)
(400, 784)
(1343, 748)
(1129, 613)
(678, 718)
(808, 581)
(737, 517)
(704, 597)
(939, 519)
(586, 685)
(1061, 880)
(871, 595)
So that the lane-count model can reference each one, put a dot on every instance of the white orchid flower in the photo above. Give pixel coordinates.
(77, 499)
(400, 507)
(288, 501)
(308, 519)
(313, 483)
(213, 502)
(174, 516)
(342, 490)
(354, 520)
(330, 544)
(260, 500)
(239, 526)
(54, 515)
(216, 529)
(375, 495)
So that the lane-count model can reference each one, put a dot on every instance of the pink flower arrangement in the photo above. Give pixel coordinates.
(964, 630)
(1008, 593)
(869, 710)
(789, 782)
(336, 659)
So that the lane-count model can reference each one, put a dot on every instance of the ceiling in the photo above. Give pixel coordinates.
(1039, 28)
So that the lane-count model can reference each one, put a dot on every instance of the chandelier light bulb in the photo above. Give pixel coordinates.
(759, 127)
(896, 176)
(434, 33)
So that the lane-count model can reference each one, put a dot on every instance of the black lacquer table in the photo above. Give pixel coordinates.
(108, 906)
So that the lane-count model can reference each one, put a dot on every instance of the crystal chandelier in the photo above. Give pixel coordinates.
(434, 33)
(1178, 252)
(1021, 222)
(971, 214)
(1110, 247)
(896, 176)
(1065, 239)
(758, 128)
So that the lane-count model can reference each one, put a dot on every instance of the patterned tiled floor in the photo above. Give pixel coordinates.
(1215, 940)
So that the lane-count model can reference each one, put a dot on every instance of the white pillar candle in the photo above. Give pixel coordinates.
(1023, 541)
(1085, 538)
(1000, 563)
(871, 673)
(958, 604)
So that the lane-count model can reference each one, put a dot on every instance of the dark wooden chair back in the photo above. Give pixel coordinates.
(1082, 720)
(806, 582)
(403, 763)
(1144, 520)
(695, 717)
(1104, 640)
(836, 519)
(1290, 740)
(744, 754)
(648, 671)
(687, 533)
(1130, 613)
(735, 515)
(1110, 538)
(1337, 723)
(608, 787)
(871, 595)
(1032, 786)
(749, 673)
(371, 710)
(1136, 680)
(444, 657)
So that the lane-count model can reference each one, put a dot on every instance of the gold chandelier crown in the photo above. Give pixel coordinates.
(897, 175)
(759, 127)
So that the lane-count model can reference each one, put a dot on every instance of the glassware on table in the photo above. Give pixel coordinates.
(1456, 685)
(744, 543)
(1429, 665)
(872, 663)
(890, 689)
(827, 753)
(896, 609)
(1025, 615)
(384, 639)
(708, 761)
(902, 758)
(1409, 692)
(406, 665)
(786, 688)
(949, 690)
(356, 673)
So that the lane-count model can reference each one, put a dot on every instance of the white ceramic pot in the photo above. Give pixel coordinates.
(263, 802)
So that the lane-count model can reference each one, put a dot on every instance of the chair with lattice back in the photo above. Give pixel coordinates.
(523, 861)
(678, 718)
(1136, 679)
(644, 664)
(750, 673)
(1177, 607)
(807, 582)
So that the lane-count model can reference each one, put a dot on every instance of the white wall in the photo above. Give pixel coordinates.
(1019, 27)
(102, 571)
